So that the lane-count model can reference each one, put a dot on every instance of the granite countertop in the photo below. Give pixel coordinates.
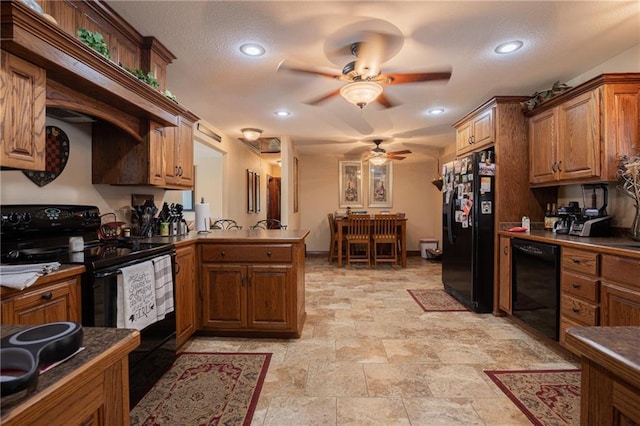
(613, 245)
(96, 341)
(615, 348)
(237, 236)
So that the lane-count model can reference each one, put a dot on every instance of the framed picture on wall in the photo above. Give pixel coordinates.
(350, 182)
(381, 185)
(251, 185)
(295, 184)
(256, 192)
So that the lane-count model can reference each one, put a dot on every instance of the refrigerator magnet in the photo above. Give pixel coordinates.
(485, 207)
(465, 222)
(485, 185)
(459, 216)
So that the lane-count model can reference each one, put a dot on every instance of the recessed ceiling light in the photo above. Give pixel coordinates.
(436, 111)
(282, 113)
(509, 47)
(252, 49)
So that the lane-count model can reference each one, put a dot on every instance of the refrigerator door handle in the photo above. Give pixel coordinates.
(450, 216)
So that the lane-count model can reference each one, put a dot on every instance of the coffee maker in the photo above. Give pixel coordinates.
(567, 215)
(594, 221)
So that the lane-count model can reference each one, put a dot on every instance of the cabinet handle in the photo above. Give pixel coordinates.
(181, 172)
(575, 260)
(47, 296)
(575, 310)
(178, 269)
(469, 140)
(553, 167)
(175, 170)
(222, 253)
(506, 250)
(576, 285)
(559, 162)
(269, 253)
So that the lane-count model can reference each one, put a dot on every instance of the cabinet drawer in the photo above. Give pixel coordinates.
(623, 270)
(247, 253)
(580, 286)
(582, 261)
(578, 310)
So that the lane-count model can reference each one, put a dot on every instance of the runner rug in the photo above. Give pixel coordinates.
(205, 388)
(546, 397)
(436, 300)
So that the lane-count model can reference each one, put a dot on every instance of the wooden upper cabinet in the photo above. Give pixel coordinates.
(579, 136)
(178, 153)
(475, 132)
(22, 116)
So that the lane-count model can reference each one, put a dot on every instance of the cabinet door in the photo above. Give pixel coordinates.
(170, 166)
(157, 142)
(504, 297)
(22, 116)
(184, 154)
(483, 130)
(224, 296)
(463, 137)
(55, 302)
(268, 304)
(185, 294)
(542, 147)
(579, 137)
(620, 306)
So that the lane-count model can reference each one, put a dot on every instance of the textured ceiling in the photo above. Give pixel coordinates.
(232, 91)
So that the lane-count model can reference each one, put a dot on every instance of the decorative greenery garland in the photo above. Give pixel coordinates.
(97, 43)
(541, 97)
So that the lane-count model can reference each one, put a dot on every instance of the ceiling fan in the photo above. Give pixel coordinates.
(378, 155)
(364, 76)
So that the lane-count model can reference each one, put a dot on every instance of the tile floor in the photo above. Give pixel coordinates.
(369, 355)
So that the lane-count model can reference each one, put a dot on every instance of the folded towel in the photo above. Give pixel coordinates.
(136, 296)
(163, 285)
(22, 276)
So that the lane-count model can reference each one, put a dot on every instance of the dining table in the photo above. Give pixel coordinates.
(341, 225)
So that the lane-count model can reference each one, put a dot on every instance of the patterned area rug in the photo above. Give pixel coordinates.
(436, 300)
(205, 388)
(546, 397)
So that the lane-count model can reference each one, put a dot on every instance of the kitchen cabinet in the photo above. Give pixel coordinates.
(185, 297)
(504, 298)
(579, 289)
(51, 301)
(23, 113)
(475, 132)
(252, 289)
(579, 136)
(164, 158)
(620, 291)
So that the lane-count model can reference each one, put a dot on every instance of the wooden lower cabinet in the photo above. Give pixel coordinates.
(252, 290)
(40, 304)
(185, 293)
(504, 290)
(620, 291)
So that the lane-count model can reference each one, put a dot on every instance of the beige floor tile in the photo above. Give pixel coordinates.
(451, 381)
(397, 380)
(285, 379)
(442, 412)
(499, 411)
(410, 351)
(371, 411)
(360, 350)
(312, 350)
(335, 379)
(298, 411)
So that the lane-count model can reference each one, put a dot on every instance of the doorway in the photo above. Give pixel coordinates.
(273, 197)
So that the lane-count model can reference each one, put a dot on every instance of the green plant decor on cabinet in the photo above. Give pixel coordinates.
(94, 41)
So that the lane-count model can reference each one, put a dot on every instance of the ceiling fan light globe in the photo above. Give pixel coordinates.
(378, 160)
(360, 93)
(251, 134)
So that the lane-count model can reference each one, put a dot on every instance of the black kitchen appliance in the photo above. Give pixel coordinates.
(467, 252)
(42, 233)
(594, 221)
(566, 216)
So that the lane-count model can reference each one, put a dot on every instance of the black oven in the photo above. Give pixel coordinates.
(535, 284)
(41, 233)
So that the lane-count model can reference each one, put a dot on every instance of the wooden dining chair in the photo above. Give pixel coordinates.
(358, 239)
(268, 224)
(333, 244)
(385, 233)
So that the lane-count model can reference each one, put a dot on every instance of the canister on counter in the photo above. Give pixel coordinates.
(164, 229)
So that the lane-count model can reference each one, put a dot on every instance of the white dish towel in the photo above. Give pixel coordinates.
(137, 296)
(22, 276)
(163, 285)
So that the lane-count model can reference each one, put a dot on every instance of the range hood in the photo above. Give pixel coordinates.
(80, 79)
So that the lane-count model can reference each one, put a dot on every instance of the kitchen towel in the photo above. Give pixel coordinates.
(20, 277)
(202, 217)
(164, 285)
(136, 296)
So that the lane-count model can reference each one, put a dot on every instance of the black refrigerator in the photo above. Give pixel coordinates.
(467, 229)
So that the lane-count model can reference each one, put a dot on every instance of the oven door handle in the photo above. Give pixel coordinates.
(117, 269)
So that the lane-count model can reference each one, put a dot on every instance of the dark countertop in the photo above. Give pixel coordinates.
(96, 341)
(615, 348)
(610, 245)
(237, 236)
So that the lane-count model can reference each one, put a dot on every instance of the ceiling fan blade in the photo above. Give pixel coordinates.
(395, 158)
(384, 101)
(403, 78)
(283, 67)
(323, 98)
(404, 151)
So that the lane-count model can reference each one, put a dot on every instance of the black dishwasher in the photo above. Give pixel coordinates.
(535, 284)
